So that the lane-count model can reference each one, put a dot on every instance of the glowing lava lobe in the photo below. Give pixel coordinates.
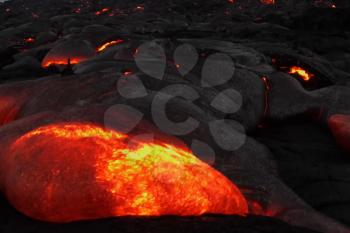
(306, 76)
(70, 172)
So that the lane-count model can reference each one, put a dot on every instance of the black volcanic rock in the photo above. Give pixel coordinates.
(313, 165)
(263, 41)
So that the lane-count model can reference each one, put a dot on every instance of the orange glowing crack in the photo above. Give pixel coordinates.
(67, 172)
(73, 61)
(108, 44)
(306, 76)
(267, 90)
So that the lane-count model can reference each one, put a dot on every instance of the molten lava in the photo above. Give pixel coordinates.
(104, 10)
(59, 61)
(266, 94)
(127, 72)
(267, 2)
(140, 8)
(29, 40)
(71, 51)
(68, 172)
(108, 44)
(306, 76)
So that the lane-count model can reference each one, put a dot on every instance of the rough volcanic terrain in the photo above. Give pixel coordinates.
(286, 145)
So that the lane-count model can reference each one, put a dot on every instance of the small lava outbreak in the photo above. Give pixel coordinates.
(302, 73)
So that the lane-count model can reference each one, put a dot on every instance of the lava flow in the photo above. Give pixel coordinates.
(67, 172)
(62, 62)
(305, 75)
(108, 44)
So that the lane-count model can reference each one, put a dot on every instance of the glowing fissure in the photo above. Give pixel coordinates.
(266, 94)
(62, 61)
(108, 44)
(68, 172)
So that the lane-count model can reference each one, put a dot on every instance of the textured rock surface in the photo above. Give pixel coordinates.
(295, 163)
(312, 164)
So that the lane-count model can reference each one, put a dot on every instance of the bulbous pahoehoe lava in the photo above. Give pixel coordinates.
(70, 172)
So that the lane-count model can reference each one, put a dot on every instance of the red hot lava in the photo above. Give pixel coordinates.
(267, 89)
(302, 73)
(108, 44)
(140, 8)
(29, 40)
(67, 172)
(59, 61)
(70, 51)
(104, 10)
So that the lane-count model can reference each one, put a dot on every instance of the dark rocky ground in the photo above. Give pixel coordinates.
(311, 163)
(268, 38)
